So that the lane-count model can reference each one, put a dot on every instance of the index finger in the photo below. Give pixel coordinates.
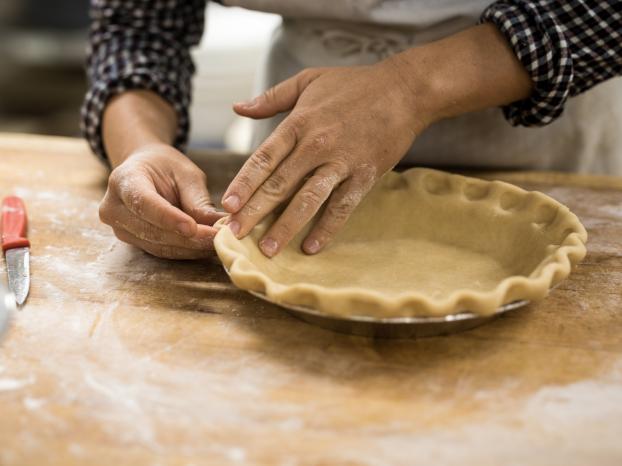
(260, 165)
(142, 199)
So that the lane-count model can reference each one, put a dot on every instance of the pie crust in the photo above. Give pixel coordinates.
(422, 243)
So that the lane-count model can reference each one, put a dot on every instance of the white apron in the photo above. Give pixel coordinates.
(586, 138)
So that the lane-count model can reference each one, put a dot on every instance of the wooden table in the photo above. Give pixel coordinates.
(122, 358)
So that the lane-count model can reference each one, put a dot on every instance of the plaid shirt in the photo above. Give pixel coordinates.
(566, 46)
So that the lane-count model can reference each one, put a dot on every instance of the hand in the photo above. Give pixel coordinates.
(350, 125)
(157, 200)
(347, 128)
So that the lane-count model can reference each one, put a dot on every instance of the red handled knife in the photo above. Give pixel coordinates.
(16, 246)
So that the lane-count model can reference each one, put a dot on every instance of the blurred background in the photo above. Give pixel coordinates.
(42, 80)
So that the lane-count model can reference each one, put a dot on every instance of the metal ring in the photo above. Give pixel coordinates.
(391, 327)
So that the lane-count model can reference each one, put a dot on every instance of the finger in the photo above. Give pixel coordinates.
(277, 99)
(196, 202)
(260, 165)
(119, 217)
(300, 210)
(280, 186)
(141, 198)
(164, 251)
(340, 206)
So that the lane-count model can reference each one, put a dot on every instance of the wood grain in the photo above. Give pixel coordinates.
(121, 358)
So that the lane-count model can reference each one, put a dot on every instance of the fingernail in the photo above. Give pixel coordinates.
(234, 226)
(268, 246)
(232, 202)
(183, 228)
(312, 246)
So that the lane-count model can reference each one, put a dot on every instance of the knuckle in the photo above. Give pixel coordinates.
(275, 186)
(339, 168)
(341, 209)
(270, 95)
(261, 160)
(136, 202)
(311, 199)
(306, 73)
(366, 174)
(290, 130)
(201, 205)
(152, 233)
(244, 182)
(145, 231)
(121, 179)
(104, 212)
(298, 120)
(320, 143)
(166, 252)
(115, 177)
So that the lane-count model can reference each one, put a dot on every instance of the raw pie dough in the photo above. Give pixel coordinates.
(422, 243)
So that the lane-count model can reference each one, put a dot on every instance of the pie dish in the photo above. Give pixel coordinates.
(422, 243)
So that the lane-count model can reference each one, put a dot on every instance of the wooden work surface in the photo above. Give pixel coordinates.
(121, 358)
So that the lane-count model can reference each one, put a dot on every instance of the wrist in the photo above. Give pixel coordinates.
(134, 120)
(139, 146)
(469, 71)
(421, 89)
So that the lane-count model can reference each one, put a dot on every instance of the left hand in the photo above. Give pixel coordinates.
(348, 126)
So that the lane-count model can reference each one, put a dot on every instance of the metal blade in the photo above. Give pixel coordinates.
(7, 306)
(18, 267)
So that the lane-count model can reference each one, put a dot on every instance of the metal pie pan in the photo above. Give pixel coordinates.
(392, 327)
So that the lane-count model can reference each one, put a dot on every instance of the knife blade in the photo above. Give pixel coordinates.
(16, 246)
(7, 306)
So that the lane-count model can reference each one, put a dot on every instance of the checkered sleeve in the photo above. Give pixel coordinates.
(566, 46)
(140, 44)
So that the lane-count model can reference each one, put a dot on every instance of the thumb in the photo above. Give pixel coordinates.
(279, 98)
(196, 202)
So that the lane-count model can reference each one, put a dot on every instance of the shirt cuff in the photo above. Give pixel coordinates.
(538, 41)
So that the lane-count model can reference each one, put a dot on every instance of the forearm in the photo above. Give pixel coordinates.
(134, 119)
(469, 71)
(139, 45)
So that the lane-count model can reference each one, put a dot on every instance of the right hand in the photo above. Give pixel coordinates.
(157, 200)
